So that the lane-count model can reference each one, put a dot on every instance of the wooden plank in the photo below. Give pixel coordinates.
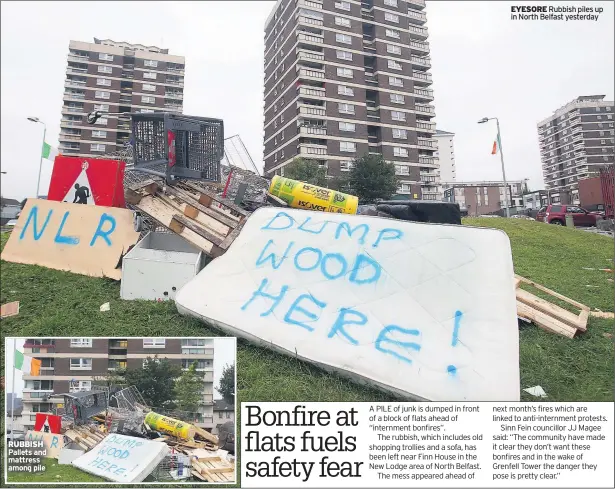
(132, 196)
(222, 470)
(517, 282)
(583, 317)
(200, 230)
(221, 200)
(210, 224)
(198, 475)
(551, 309)
(157, 209)
(206, 435)
(553, 293)
(602, 315)
(277, 200)
(544, 321)
(222, 217)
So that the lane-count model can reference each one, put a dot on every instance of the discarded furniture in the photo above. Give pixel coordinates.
(158, 266)
(422, 211)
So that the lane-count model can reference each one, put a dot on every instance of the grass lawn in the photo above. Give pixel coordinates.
(63, 304)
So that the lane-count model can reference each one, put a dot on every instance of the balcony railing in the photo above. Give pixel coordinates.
(417, 15)
(175, 70)
(70, 136)
(426, 142)
(312, 92)
(78, 59)
(427, 160)
(177, 83)
(313, 131)
(72, 109)
(302, 19)
(421, 92)
(312, 149)
(74, 84)
(427, 109)
(420, 61)
(74, 95)
(301, 37)
(310, 56)
(422, 76)
(304, 72)
(310, 4)
(422, 31)
(312, 111)
(430, 126)
(420, 3)
(70, 123)
(423, 46)
(78, 71)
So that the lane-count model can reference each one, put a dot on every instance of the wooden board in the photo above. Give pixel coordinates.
(9, 309)
(553, 310)
(603, 315)
(545, 321)
(206, 435)
(215, 470)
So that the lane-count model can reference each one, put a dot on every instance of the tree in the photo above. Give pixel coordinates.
(372, 178)
(155, 381)
(188, 389)
(227, 384)
(306, 170)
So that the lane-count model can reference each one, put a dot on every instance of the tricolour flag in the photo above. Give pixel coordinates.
(28, 365)
(496, 145)
(49, 152)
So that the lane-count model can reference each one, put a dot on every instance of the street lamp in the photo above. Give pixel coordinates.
(40, 165)
(499, 142)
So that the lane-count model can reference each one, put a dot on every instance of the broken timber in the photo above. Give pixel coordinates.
(202, 218)
(213, 469)
(548, 316)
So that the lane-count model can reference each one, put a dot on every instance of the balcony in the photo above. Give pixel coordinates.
(313, 131)
(426, 62)
(312, 110)
(417, 16)
(428, 162)
(310, 74)
(75, 95)
(310, 56)
(302, 19)
(423, 93)
(312, 92)
(75, 58)
(420, 32)
(128, 76)
(425, 109)
(174, 69)
(173, 106)
(128, 67)
(312, 149)
(71, 110)
(123, 127)
(70, 136)
(428, 179)
(76, 71)
(417, 3)
(74, 84)
(420, 46)
(427, 143)
(70, 123)
(317, 4)
(426, 126)
(309, 38)
(174, 95)
(176, 83)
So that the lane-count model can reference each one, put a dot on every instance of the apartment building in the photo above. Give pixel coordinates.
(575, 142)
(485, 197)
(115, 77)
(73, 364)
(445, 151)
(346, 78)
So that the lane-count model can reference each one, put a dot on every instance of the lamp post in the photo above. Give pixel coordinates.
(482, 121)
(40, 165)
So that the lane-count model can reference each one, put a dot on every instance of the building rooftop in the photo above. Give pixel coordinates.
(123, 44)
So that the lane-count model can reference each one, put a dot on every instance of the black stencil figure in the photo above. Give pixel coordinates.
(81, 194)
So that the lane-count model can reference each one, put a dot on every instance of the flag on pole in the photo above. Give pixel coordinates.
(28, 365)
(496, 145)
(49, 152)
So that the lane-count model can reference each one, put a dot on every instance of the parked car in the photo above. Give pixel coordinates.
(556, 214)
(11, 224)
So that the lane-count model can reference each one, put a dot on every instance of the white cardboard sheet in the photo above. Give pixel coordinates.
(121, 458)
(426, 311)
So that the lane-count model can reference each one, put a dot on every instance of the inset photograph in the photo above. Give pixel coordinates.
(120, 410)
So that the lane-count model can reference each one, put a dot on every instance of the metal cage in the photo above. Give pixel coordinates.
(188, 146)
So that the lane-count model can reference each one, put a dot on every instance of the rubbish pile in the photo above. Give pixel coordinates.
(141, 444)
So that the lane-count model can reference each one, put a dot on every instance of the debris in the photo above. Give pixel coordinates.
(105, 307)
(603, 315)
(9, 309)
(69, 453)
(607, 335)
(592, 286)
(213, 469)
(187, 210)
(536, 391)
(610, 270)
(546, 315)
(301, 195)
(171, 426)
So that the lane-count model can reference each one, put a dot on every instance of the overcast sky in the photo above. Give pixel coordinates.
(224, 354)
(484, 64)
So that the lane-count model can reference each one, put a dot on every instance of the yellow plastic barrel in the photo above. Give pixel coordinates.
(170, 426)
(305, 196)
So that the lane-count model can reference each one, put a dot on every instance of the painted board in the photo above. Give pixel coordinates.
(84, 239)
(92, 181)
(426, 311)
(121, 458)
(53, 442)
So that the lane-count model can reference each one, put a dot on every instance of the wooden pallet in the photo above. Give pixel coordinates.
(213, 469)
(86, 437)
(548, 316)
(209, 222)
